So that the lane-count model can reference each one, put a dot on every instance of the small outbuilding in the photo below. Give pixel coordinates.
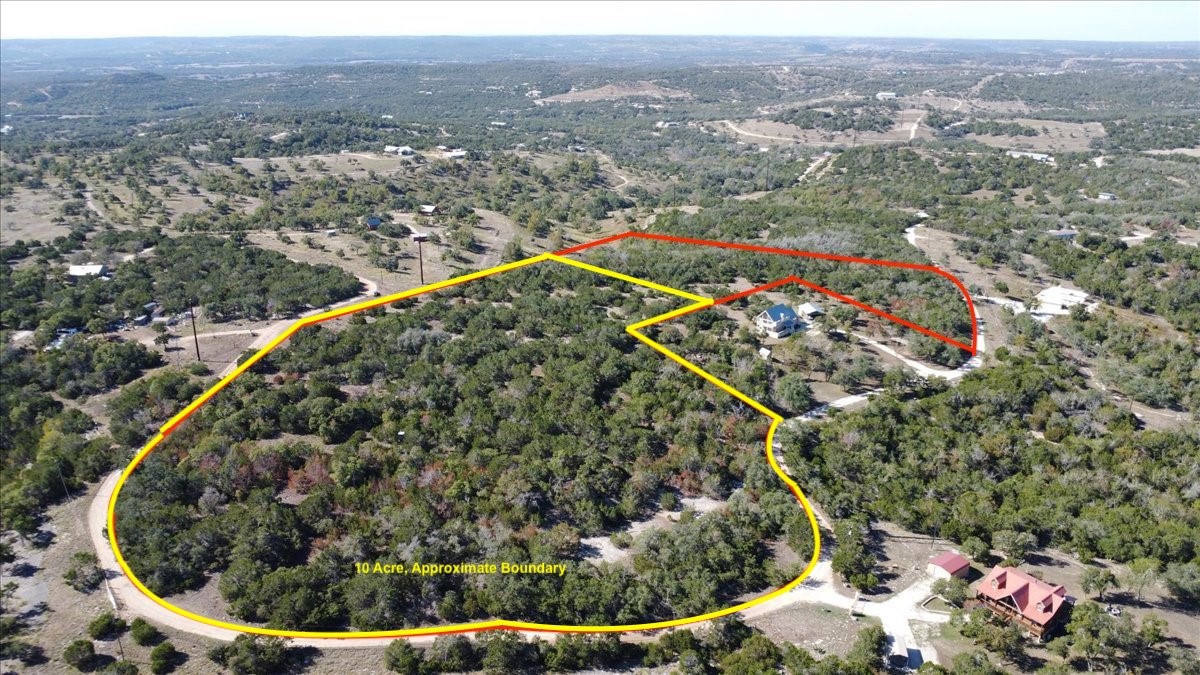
(810, 310)
(1062, 234)
(948, 564)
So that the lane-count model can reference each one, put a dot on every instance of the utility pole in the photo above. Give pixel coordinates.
(419, 237)
(195, 337)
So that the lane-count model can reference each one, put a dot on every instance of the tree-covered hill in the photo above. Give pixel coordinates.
(500, 420)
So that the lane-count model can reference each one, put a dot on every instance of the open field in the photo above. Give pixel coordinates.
(617, 90)
(27, 214)
(820, 629)
(1052, 136)
(768, 132)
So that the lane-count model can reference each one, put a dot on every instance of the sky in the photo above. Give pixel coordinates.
(1079, 20)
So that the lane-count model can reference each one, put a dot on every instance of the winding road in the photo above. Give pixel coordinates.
(743, 132)
(894, 613)
(265, 335)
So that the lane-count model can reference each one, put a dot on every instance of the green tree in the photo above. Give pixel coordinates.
(1002, 640)
(794, 393)
(80, 654)
(1015, 545)
(1143, 572)
(252, 655)
(757, 655)
(163, 658)
(143, 632)
(1182, 581)
(974, 663)
(106, 627)
(401, 657)
(1097, 580)
(976, 549)
(505, 652)
(953, 590)
(453, 653)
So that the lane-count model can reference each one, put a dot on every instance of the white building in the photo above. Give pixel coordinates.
(1035, 156)
(90, 270)
(1062, 234)
(1057, 301)
(1107, 197)
(457, 153)
(885, 96)
(809, 310)
(777, 322)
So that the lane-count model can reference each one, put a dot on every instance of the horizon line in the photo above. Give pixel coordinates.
(603, 35)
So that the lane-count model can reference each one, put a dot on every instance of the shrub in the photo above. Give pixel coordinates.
(79, 654)
(402, 657)
(162, 658)
(144, 633)
(106, 626)
(83, 574)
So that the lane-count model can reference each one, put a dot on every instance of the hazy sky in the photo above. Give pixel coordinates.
(1132, 21)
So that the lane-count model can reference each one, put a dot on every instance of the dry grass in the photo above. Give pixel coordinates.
(1190, 152)
(1052, 136)
(617, 90)
(819, 629)
(767, 132)
(31, 215)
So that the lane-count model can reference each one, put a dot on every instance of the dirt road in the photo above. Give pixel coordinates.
(743, 132)
(132, 601)
(912, 131)
(265, 335)
(895, 614)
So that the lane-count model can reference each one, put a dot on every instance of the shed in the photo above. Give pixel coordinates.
(948, 564)
(810, 309)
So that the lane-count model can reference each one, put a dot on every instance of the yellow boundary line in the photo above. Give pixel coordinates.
(699, 302)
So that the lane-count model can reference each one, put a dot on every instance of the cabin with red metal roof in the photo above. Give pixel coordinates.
(1033, 604)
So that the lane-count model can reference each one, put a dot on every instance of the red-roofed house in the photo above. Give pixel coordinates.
(948, 564)
(1033, 604)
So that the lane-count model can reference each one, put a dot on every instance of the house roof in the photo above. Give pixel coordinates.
(810, 308)
(85, 270)
(1035, 599)
(950, 561)
(781, 312)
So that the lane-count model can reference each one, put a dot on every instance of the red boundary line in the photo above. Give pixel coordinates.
(972, 349)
